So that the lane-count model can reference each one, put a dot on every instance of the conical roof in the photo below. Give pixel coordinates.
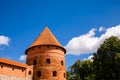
(46, 38)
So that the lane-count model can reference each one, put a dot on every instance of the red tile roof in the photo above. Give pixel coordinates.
(46, 38)
(14, 63)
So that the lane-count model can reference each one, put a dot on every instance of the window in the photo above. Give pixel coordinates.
(54, 73)
(38, 73)
(62, 62)
(47, 61)
(22, 70)
(12, 68)
(64, 75)
(1, 66)
(29, 72)
(35, 62)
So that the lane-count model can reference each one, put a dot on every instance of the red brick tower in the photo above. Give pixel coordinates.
(47, 56)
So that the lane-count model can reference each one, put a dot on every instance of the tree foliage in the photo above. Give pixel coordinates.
(106, 60)
(80, 70)
(105, 65)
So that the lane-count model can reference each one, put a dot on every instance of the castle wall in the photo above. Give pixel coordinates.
(7, 77)
(11, 72)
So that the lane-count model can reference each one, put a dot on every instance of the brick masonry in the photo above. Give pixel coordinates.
(57, 62)
(7, 77)
(12, 72)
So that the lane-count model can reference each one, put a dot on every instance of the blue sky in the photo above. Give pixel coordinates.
(22, 21)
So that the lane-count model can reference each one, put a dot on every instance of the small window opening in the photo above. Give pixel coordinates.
(22, 70)
(62, 62)
(38, 73)
(12, 68)
(29, 72)
(48, 61)
(64, 75)
(1, 66)
(35, 62)
(54, 73)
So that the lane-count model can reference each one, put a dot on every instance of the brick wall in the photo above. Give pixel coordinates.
(7, 77)
(40, 54)
(11, 72)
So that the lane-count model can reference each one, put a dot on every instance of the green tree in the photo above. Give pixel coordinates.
(80, 70)
(107, 60)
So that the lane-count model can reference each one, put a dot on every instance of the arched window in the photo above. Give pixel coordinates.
(35, 62)
(38, 73)
(47, 61)
(29, 72)
(54, 73)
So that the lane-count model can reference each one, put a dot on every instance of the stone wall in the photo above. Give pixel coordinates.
(6, 77)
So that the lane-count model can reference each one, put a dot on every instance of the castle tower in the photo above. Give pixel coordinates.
(47, 56)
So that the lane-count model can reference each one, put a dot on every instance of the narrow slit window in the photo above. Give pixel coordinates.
(62, 63)
(22, 70)
(35, 62)
(13, 69)
(64, 75)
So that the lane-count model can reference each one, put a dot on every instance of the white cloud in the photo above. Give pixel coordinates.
(22, 57)
(82, 44)
(102, 29)
(4, 40)
(89, 58)
(89, 43)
